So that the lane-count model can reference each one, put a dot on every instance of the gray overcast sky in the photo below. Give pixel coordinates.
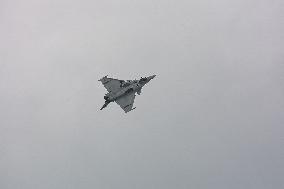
(212, 118)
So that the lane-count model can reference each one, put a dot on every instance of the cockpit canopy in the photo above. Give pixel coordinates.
(143, 79)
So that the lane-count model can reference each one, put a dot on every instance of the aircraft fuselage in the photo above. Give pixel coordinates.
(134, 87)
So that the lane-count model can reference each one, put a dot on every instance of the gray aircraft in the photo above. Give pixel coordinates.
(123, 92)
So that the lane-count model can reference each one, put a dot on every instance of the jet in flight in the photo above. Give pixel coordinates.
(123, 92)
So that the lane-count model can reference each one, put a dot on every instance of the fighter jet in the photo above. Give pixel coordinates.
(123, 92)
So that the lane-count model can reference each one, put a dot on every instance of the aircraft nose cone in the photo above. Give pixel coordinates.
(152, 77)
